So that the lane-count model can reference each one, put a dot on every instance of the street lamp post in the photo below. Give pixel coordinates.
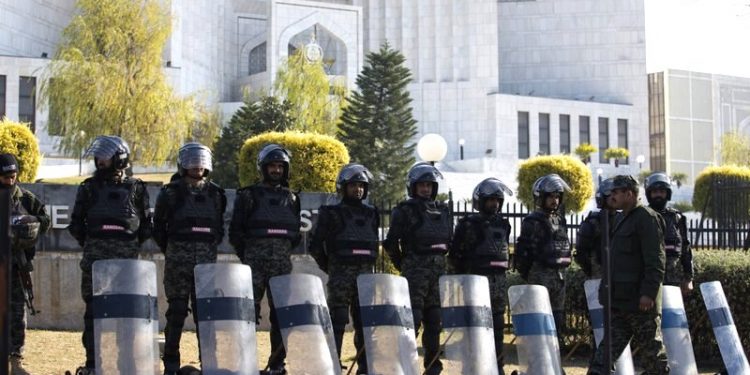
(82, 134)
(599, 172)
(640, 159)
(432, 147)
(461, 148)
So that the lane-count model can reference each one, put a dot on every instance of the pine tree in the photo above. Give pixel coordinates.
(267, 114)
(378, 127)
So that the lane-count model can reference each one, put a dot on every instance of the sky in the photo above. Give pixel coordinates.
(711, 36)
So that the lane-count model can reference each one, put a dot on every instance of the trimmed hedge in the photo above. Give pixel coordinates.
(570, 169)
(315, 162)
(16, 138)
(703, 187)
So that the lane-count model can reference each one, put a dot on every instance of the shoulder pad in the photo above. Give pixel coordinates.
(537, 216)
(215, 186)
(87, 181)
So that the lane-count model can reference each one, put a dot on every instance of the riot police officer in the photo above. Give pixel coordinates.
(543, 250)
(345, 245)
(265, 228)
(676, 240)
(480, 246)
(589, 239)
(188, 227)
(637, 248)
(28, 221)
(109, 220)
(417, 242)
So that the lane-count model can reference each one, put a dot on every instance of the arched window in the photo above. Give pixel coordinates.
(258, 59)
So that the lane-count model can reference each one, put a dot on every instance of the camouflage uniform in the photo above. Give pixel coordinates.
(265, 246)
(638, 252)
(23, 202)
(344, 256)
(542, 255)
(87, 225)
(471, 235)
(588, 244)
(417, 242)
(188, 226)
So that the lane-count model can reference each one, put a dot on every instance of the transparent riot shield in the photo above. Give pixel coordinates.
(305, 323)
(725, 331)
(388, 324)
(623, 364)
(467, 321)
(126, 320)
(226, 319)
(675, 332)
(534, 326)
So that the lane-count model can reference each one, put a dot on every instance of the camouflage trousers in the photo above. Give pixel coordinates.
(672, 271)
(98, 249)
(18, 315)
(498, 301)
(343, 299)
(644, 329)
(554, 280)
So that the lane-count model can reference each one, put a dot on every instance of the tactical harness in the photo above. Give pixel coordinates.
(272, 214)
(113, 213)
(354, 234)
(554, 250)
(197, 215)
(672, 237)
(430, 228)
(491, 251)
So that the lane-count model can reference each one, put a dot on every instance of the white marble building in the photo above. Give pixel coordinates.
(512, 79)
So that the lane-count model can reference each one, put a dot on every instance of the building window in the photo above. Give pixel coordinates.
(603, 138)
(656, 123)
(584, 133)
(2, 97)
(523, 135)
(544, 134)
(26, 101)
(622, 135)
(258, 59)
(565, 134)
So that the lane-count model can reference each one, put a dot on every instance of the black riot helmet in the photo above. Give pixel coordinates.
(353, 172)
(603, 192)
(110, 147)
(658, 180)
(489, 188)
(545, 185)
(274, 153)
(194, 155)
(422, 172)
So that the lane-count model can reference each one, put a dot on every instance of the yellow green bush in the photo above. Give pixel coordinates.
(316, 159)
(16, 138)
(570, 169)
(728, 173)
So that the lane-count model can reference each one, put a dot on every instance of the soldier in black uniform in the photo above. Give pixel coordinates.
(345, 245)
(188, 227)
(543, 249)
(676, 240)
(29, 220)
(589, 239)
(417, 241)
(480, 247)
(110, 220)
(265, 228)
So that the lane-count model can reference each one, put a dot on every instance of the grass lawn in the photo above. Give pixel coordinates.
(75, 180)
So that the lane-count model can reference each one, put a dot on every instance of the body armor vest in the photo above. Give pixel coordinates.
(491, 253)
(273, 214)
(432, 231)
(672, 237)
(196, 216)
(113, 213)
(554, 248)
(355, 235)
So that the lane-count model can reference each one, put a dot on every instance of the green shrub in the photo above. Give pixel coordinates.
(570, 169)
(584, 151)
(316, 159)
(703, 188)
(16, 138)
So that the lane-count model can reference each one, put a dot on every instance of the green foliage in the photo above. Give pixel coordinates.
(584, 151)
(378, 126)
(315, 101)
(735, 148)
(703, 187)
(268, 114)
(643, 175)
(683, 206)
(617, 153)
(678, 178)
(107, 78)
(316, 159)
(16, 138)
(570, 169)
